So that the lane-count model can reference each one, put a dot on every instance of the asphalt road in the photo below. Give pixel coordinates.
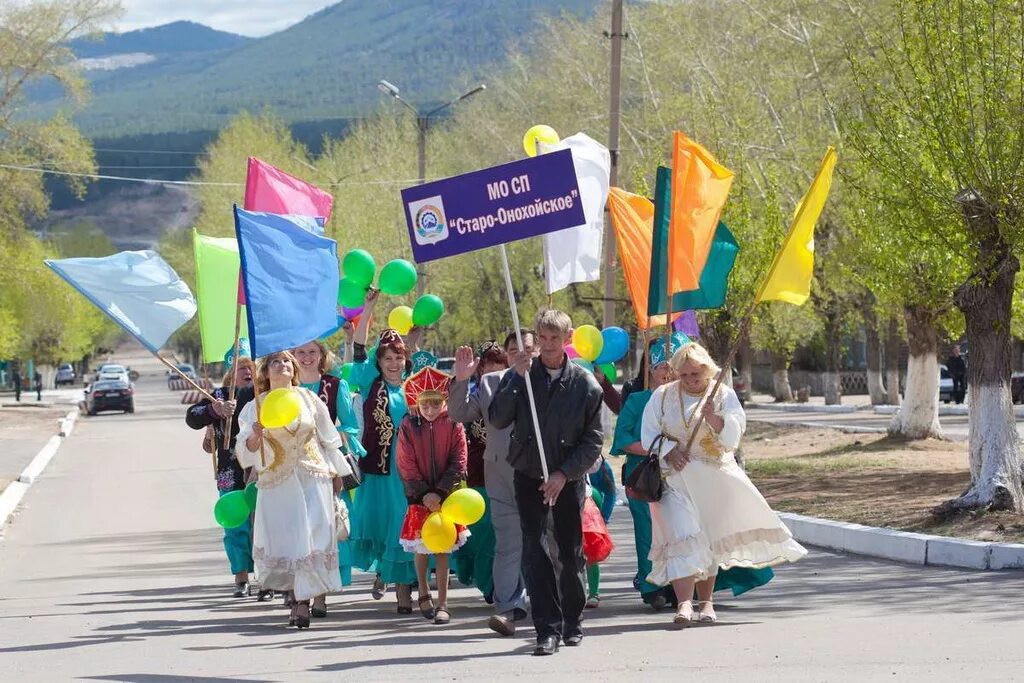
(113, 571)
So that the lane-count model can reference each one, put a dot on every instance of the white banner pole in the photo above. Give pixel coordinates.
(519, 338)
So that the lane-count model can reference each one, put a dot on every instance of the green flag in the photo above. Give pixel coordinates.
(217, 267)
(714, 279)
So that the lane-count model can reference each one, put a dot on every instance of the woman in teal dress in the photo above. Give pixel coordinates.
(315, 360)
(380, 505)
(627, 442)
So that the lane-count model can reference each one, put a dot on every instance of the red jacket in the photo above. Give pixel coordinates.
(431, 456)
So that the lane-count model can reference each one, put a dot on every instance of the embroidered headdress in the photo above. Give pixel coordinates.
(427, 384)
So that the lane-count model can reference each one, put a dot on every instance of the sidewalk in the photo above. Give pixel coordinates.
(23, 432)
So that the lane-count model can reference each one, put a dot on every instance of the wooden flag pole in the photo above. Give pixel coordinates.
(185, 377)
(519, 339)
(234, 369)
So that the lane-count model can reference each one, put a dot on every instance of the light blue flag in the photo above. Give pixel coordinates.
(137, 289)
(290, 277)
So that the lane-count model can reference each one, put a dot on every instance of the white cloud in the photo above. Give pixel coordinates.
(247, 17)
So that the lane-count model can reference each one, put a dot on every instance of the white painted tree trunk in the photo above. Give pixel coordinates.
(893, 340)
(892, 386)
(876, 389)
(918, 417)
(833, 389)
(780, 384)
(993, 448)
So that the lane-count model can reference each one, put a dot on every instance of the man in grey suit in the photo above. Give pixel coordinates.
(469, 406)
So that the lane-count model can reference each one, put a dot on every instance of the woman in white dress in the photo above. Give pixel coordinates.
(710, 515)
(300, 468)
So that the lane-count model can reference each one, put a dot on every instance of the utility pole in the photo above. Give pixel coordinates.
(422, 126)
(614, 117)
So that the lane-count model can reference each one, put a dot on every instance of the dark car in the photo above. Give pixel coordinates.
(1017, 387)
(739, 385)
(113, 394)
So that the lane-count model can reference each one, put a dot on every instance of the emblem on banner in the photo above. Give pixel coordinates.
(429, 220)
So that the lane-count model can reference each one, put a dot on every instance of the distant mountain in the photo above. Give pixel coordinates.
(173, 38)
(325, 67)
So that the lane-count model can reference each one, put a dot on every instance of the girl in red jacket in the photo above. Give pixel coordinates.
(432, 464)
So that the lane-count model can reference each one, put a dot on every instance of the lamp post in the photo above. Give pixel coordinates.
(422, 126)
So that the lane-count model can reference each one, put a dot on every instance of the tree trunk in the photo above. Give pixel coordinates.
(780, 378)
(893, 341)
(833, 358)
(918, 417)
(744, 363)
(985, 299)
(873, 350)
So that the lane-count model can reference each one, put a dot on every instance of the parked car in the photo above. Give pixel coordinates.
(1017, 387)
(739, 385)
(112, 371)
(113, 394)
(945, 385)
(65, 375)
(446, 365)
(185, 369)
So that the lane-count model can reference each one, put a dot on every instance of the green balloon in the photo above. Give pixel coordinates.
(351, 294)
(359, 267)
(609, 371)
(250, 495)
(397, 277)
(427, 311)
(346, 371)
(231, 510)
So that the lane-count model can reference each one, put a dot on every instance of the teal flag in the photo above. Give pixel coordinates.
(714, 280)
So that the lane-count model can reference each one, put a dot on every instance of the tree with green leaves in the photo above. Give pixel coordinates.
(941, 99)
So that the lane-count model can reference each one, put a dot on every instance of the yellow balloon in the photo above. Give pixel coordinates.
(539, 133)
(280, 408)
(438, 533)
(588, 342)
(400, 319)
(464, 506)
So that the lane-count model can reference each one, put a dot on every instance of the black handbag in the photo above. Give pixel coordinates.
(645, 482)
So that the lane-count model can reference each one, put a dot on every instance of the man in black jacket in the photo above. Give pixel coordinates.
(957, 368)
(568, 402)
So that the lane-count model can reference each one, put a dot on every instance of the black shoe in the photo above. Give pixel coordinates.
(241, 589)
(574, 640)
(658, 602)
(265, 595)
(548, 645)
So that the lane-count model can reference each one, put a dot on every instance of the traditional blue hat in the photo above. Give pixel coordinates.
(243, 351)
(678, 340)
(422, 359)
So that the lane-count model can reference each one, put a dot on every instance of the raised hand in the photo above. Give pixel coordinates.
(466, 363)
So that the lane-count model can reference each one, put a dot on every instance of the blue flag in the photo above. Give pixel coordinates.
(137, 289)
(290, 276)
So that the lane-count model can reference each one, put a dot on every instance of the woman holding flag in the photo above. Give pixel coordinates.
(379, 509)
(314, 361)
(710, 515)
(300, 469)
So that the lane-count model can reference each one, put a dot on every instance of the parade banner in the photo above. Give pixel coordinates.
(493, 206)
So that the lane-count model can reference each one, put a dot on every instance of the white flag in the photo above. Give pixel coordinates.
(574, 254)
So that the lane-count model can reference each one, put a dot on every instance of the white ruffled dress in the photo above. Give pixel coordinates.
(295, 545)
(711, 516)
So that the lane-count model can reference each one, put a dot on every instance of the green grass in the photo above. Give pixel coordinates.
(783, 466)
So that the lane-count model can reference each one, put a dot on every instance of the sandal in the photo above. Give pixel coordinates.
(426, 606)
(379, 588)
(302, 614)
(442, 615)
(593, 602)
(706, 614)
(403, 594)
(319, 608)
(684, 615)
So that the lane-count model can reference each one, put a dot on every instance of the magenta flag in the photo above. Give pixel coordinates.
(271, 190)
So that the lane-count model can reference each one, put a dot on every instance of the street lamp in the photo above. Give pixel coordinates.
(422, 125)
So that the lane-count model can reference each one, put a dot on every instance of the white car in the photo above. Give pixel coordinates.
(112, 371)
(945, 384)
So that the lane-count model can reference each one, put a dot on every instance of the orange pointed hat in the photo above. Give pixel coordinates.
(428, 383)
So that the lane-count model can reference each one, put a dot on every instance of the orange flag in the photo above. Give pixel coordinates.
(633, 220)
(700, 186)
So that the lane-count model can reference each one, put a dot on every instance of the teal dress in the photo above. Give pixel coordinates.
(380, 504)
(348, 425)
(627, 430)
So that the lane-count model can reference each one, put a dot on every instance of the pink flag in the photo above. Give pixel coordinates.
(272, 190)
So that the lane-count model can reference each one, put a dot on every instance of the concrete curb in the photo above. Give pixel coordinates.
(904, 546)
(801, 407)
(944, 411)
(849, 429)
(15, 491)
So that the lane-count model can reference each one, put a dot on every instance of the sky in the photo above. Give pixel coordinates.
(247, 17)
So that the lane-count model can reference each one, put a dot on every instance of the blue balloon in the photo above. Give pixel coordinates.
(616, 344)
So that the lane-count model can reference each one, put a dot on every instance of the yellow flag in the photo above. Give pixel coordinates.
(789, 278)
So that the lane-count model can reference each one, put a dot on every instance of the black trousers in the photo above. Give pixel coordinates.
(959, 388)
(556, 602)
